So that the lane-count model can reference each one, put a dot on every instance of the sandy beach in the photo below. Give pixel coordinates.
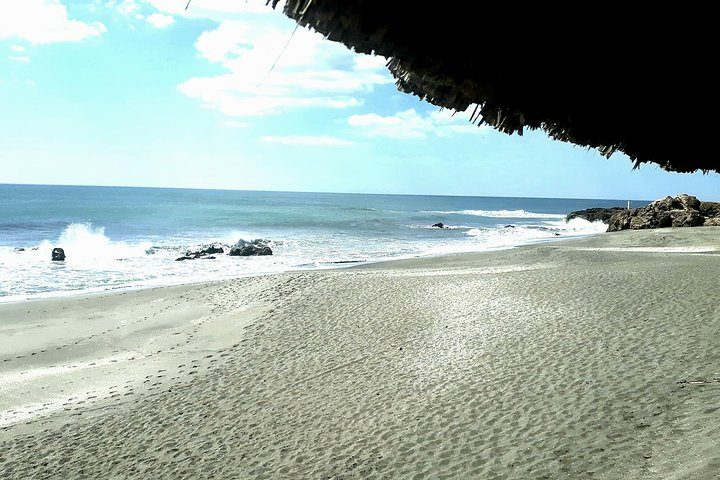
(588, 358)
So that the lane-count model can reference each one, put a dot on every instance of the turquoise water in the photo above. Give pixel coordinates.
(120, 237)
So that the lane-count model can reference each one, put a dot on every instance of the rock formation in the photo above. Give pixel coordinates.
(711, 212)
(211, 250)
(58, 254)
(257, 247)
(681, 211)
(594, 214)
(208, 250)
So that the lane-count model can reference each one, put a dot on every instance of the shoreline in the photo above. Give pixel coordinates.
(330, 266)
(573, 358)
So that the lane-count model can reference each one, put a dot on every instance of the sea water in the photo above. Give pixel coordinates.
(122, 237)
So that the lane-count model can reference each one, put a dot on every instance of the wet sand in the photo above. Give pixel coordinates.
(590, 358)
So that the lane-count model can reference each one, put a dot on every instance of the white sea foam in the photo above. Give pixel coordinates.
(445, 227)
(83, 242)
(498, 213)
(577, 226)
(139, 248)
(96, 262)
(494, 238)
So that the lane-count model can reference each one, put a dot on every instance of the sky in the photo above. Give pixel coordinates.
(230, 94)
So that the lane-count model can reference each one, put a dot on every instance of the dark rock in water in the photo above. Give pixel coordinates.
(681, 211)
(439, 225)
(594, 214)
(509, 226)
(250, 250)
(212, 249)
(201, 253)
(18, 249)
(257, 247)
(58, 254)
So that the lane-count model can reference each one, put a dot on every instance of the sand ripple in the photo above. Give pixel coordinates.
(570, 370)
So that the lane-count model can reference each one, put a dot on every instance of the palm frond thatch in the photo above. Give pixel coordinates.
(605, 78)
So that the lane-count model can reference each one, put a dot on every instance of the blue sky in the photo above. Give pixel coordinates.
(144, 93)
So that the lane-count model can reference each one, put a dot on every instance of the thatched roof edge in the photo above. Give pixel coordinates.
(449, 78)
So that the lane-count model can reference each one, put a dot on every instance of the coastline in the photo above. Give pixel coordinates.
(107, 251)
(341, 264)
(562, 359)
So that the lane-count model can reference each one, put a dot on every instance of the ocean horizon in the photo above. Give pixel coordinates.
(129, 237)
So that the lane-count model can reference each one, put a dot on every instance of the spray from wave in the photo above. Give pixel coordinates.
(84, 243)
(498, 213)
(95, 262)
(510, 236)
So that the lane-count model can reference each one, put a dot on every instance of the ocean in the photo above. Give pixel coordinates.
(127, 237)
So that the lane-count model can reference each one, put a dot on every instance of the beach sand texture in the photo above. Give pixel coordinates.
(591, 358)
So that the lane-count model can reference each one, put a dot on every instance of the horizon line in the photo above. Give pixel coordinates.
(315, 192)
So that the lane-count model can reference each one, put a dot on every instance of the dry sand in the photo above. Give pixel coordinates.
(592, 358)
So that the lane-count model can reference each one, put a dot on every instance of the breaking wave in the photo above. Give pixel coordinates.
(498, 213)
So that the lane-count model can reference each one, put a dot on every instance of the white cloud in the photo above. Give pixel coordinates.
(125, 7)
(307, 140)
(218, 10)
(411, 124)
(158, 20)
(229, 39)
(234, 124)
(45, 21)
(17, 48)
(271, 70)
(228, 95)
(369, 62)
(19, 58)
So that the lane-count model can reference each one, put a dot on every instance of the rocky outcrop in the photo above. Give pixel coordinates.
(439, 225)
(710, 210)
(712, 222)
(681, 211)
(250, 251)
(594, 214)
(58, 254)
(212, 249)
(257, 247)
(208, 250)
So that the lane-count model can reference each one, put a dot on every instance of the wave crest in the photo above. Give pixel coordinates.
(523, 234)
(84, 242)
(499, 213)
